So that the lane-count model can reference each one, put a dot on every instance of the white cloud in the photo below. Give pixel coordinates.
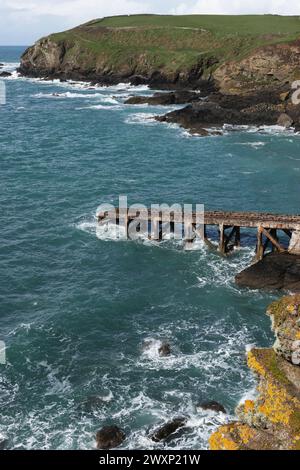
(278, 7)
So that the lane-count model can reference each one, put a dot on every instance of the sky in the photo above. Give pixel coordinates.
(22, 22)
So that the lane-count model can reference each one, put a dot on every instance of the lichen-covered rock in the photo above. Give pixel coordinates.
(272, 420)
(285, 315)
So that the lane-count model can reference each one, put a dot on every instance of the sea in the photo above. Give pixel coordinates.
(82, 315)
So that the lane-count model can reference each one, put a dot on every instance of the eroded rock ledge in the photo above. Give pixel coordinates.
(262, 108)
(272, 420)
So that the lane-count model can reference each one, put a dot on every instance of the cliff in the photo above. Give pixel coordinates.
(238, 54)
(272, 420)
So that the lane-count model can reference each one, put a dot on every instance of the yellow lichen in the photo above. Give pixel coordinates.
(277, 405)
(290, 308)
(249, 406)
(255, 365)
(246, 433)
(221, 440)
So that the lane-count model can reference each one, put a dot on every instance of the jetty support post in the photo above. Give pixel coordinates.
(294, 247)
(237, 242)
(259, 246)
(222, 242)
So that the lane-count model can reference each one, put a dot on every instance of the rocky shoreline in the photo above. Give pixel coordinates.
(255, 89)
(208, 114)
(272, 420)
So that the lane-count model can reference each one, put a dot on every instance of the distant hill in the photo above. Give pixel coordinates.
(236, 52)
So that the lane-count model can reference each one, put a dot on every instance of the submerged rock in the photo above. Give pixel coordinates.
(109, 437)
(168, 429)
(5, 74)
(164, 350)
(154, 348)
(212, 406)
(91, 404)
(274, 271)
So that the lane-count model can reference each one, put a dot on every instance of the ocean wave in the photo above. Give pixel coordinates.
(56, 95)
(102, 107)
(147, 119)
(273, 130)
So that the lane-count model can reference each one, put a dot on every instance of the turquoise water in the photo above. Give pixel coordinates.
(76, 310)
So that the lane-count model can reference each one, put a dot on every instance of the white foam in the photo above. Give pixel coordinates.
(147, 119)
(102, 107)
(99, 96)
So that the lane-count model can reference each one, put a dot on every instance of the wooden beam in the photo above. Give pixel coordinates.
(275, 242)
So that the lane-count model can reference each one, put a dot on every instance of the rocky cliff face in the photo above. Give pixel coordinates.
(273, 66)
(174, 56)
(76, 56)
(272, 420)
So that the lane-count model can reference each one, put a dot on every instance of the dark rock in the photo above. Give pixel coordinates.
(215, 113)
(5, 74)
(4, 444)
(109, 437)
(285, 120)
(165, 99)
(1, 65)
(274, 271)
(164, 350)
(168, 430)
(212, 406)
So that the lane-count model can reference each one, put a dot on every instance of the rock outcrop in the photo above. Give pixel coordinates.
(166, 99)
(274, 271)
(212, 406)
(109, 437)
(255, 109)
(272, 420)
(168, 430)
(5, 74)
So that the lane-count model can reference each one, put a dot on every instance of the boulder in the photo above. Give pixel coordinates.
(274, 271)
(168, 430)
(285, 120)
(109, 437)
(212, 406)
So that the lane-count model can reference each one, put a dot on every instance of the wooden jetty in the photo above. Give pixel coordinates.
(270, 227)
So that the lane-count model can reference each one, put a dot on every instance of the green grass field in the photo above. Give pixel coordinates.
(176, 43)
(217, 24)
